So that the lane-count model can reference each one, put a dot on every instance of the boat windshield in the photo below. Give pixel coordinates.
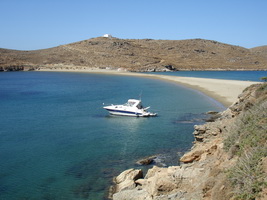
(134, 103)
(130, 103)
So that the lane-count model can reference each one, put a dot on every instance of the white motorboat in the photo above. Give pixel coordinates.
(132, 108)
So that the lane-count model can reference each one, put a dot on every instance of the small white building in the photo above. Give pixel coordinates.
(107, 36)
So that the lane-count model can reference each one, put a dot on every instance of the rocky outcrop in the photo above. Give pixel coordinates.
(126, 180)
(202, 174)
(18, 68)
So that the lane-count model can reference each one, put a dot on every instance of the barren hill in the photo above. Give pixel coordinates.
(260, 50)
(138, 55)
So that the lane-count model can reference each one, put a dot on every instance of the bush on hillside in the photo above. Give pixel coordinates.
(263, 79)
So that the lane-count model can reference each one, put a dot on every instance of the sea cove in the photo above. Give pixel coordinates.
(58, 143)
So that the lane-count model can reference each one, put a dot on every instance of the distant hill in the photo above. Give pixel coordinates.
(260, 50)
(138, 55)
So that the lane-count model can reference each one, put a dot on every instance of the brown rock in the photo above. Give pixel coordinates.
(130, 174)
(153, 171)
(200, 128)
(191, 156)
(125, 185)
(199, 138)
(164, 186)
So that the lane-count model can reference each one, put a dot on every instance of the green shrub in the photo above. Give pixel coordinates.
(263, 78)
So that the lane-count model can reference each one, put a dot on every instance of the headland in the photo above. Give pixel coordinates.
(227, 161)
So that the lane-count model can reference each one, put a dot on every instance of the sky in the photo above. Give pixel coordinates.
(40, 24)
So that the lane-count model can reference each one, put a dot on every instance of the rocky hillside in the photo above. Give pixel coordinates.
(137, 55)
(227, 161)
(260, 50)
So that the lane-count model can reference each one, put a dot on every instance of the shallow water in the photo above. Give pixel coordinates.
(56, 141)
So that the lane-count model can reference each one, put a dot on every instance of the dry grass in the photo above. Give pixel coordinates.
(247, 139)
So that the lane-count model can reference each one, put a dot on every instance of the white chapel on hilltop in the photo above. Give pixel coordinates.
(107, 36)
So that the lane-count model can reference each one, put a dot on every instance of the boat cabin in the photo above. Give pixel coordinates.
(134, 103)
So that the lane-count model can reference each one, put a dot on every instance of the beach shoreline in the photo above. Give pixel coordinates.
(223, 91)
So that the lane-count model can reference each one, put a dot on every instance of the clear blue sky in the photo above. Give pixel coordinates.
(38, 24)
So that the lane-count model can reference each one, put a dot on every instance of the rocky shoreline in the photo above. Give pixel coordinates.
(203, 172)
(11, 68)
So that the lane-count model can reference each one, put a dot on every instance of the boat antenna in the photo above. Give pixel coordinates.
(140, 95)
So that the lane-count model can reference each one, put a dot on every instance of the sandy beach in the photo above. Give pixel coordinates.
(224, 91)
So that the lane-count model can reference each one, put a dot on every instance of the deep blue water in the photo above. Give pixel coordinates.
(230, 75)
(56, 141)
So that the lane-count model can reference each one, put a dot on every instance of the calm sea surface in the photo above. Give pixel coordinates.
(56, 141)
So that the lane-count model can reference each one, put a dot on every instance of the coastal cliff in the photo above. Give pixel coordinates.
(136, 55)
(227, 161)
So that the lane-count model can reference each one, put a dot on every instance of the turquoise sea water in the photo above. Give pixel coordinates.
(56, 141)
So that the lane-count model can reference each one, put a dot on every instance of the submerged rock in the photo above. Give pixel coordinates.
(146, 161)
(212, 112)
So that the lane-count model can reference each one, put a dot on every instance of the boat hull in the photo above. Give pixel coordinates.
(125, 113)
